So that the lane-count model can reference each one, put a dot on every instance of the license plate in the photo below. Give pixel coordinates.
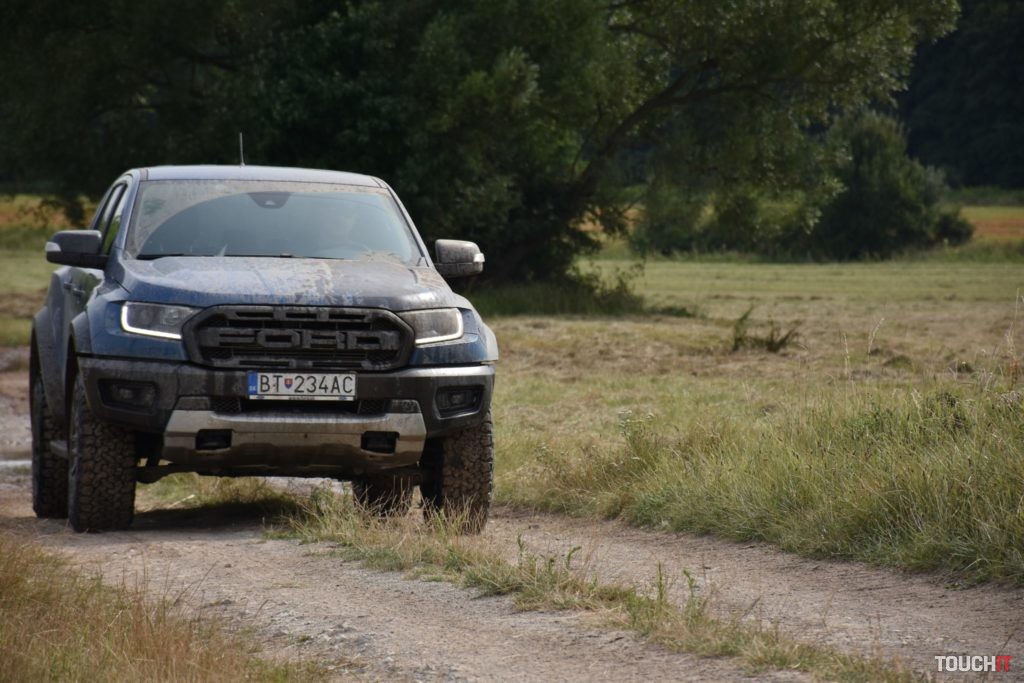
(305, 386)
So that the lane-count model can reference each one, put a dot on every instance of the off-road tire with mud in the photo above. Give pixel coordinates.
(460, 477)
(49, 471)
(101, 475)
(383, 495)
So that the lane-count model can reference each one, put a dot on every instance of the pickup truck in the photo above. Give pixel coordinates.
(258, 321)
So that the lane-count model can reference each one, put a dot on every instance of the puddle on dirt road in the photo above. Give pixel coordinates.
(13, 464)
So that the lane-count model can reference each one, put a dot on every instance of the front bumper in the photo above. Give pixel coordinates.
(293, 442)
(201, 414)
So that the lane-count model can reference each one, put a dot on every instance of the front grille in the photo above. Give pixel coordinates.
(233, 405)
(298, 338)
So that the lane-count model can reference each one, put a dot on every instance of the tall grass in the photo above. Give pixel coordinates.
(929, 481)
(190, 490)
(57, 624)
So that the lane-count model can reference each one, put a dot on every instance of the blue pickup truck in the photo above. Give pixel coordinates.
(244, 320)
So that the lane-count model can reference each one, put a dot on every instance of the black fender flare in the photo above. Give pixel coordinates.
(490, 340)
(44, 357)
(81, 336)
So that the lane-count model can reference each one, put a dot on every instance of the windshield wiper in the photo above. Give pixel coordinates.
(153, 257)
(255, 255)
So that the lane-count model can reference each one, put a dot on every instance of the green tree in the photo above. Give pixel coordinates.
(504, 122)
(888, 201)
(91, 89)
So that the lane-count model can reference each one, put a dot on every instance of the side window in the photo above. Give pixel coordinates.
(114, 221)
(99, 219)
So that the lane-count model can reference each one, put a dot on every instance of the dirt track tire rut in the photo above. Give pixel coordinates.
(850, 606)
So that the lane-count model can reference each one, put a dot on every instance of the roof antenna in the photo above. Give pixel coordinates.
(241, 150)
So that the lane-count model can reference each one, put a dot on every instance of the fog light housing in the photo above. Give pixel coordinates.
(379, 442)
(408, 406)
(213, 439)
(456, 400)
(128, 395)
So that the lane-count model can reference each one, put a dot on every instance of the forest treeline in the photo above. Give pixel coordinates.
(510, 123)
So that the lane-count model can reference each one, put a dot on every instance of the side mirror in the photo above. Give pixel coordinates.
(456, 258)
(76, 248)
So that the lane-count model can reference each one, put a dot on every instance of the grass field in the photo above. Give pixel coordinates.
(25, 223)
(888, 429)
(60, 625)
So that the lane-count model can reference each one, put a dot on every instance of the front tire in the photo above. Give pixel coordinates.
(460, 477)
(49, 471)
(101, 476)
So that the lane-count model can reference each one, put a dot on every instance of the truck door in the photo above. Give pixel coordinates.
(78, 283)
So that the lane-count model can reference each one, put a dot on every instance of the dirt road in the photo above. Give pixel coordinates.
(303, 603)
(300, 601)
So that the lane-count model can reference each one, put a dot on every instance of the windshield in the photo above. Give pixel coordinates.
(268, 218)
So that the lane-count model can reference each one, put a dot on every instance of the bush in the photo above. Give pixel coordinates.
(888, 201)
(736, 219)
(873, 201)
(574, 294)
(670, 221)
(952, 228)
(737, 224)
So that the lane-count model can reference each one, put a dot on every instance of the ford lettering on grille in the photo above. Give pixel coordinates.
(370, 340)
(297, 337)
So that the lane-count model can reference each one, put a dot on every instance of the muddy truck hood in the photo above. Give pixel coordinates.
(208, 281)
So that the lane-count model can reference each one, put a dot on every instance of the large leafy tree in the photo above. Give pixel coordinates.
(502, 121)
(94, 88)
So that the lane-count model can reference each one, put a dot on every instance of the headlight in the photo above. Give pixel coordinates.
(155, 320)
(434, 325)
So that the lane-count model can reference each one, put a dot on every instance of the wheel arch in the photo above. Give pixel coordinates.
(79, 342)
(70, 375)
(44, 362)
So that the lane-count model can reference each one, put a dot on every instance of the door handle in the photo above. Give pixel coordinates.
(77, 291)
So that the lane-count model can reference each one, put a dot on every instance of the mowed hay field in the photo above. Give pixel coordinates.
(996, 222)
(887, 427)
